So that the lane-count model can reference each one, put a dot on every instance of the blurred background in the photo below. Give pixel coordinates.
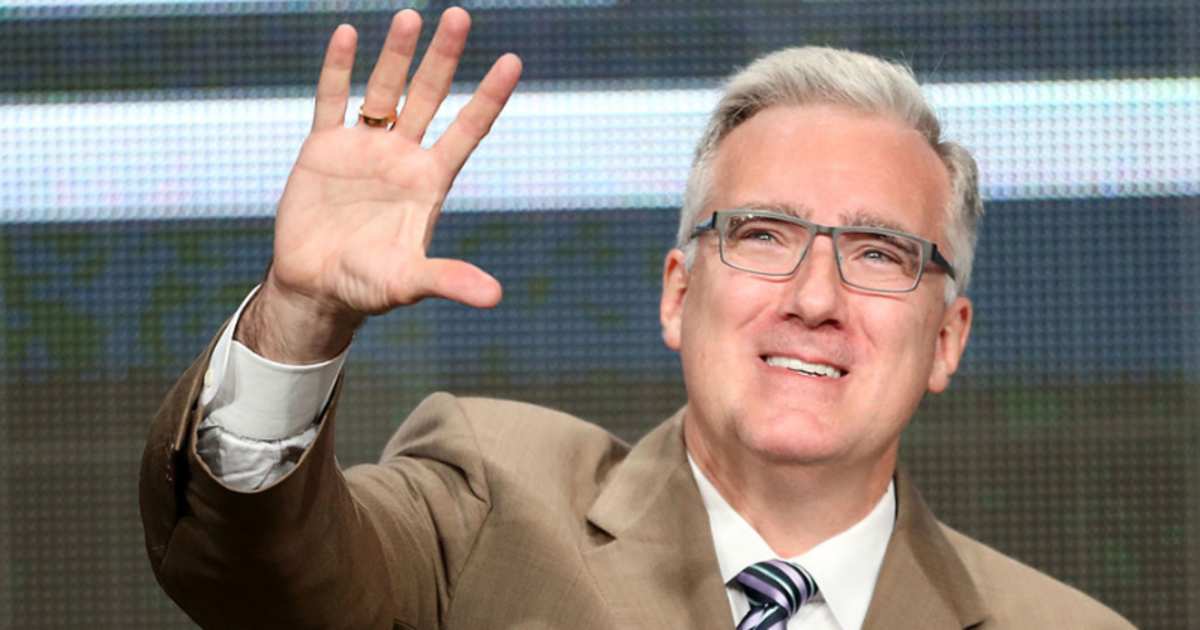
(143, 146)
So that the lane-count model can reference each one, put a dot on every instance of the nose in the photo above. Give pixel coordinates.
(815, 291)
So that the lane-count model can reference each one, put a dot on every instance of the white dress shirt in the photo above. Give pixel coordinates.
(260, 416)
(844, 567)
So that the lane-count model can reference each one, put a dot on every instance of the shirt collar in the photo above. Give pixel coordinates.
(845, 566)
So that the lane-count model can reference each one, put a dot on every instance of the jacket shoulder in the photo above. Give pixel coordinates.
(496, 427)
(506, 445)
(1019, 596)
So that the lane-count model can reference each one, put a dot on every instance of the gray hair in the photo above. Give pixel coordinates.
(814, 75)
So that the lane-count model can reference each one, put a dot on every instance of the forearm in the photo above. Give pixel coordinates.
(319, 548)
(297, 553)
(234, 545)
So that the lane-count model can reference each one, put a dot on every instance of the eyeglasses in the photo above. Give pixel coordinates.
(868, 258)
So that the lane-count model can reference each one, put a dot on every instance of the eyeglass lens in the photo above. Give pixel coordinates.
(866, 258)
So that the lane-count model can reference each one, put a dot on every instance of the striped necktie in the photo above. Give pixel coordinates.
(776, 590)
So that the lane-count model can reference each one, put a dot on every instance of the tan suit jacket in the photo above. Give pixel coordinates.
(494, 514)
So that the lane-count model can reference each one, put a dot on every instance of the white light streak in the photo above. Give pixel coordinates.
(569, 150)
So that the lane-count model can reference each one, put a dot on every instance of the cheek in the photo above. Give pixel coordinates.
(719, 325)
(747, 300)
(903, 338)
(718, 307)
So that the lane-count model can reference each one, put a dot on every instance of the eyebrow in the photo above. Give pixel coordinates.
(866, 218)
(798, 211)
(859, 218)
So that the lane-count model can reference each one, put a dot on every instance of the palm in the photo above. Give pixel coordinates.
(355, 218)
(361, 203)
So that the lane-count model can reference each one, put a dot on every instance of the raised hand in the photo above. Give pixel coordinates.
(361, 203)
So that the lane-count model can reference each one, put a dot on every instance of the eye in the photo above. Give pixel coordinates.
(880, 256)
(757, 231)
(757, 234)
(880, 251)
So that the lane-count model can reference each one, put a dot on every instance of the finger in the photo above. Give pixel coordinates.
(333, 86)
(391, 69)
(461, 282)
(476, 118)
(431, 83)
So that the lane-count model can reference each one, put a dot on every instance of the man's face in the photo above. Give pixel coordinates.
(734, 330)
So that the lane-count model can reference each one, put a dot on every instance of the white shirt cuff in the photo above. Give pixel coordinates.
(254, 397)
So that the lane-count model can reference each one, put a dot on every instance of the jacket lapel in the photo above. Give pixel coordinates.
(922, 584)
(653, 556)
(654, 562)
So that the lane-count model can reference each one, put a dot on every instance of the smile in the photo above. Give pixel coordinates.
(804, 367)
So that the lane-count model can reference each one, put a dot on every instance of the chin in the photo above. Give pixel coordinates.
(791, 440)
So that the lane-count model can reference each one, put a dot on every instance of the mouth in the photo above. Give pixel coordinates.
(819, 370)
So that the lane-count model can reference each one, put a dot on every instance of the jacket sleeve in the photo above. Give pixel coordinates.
(375, 546)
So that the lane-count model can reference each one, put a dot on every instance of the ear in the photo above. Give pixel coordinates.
(951, 342)
(674, 290)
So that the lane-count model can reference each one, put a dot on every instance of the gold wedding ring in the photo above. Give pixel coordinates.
(386, 122)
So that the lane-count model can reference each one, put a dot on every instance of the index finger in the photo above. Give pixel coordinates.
(475, 119)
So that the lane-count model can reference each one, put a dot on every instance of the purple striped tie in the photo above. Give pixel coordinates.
(776, 589)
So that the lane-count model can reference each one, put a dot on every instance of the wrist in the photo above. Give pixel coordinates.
(292, 328)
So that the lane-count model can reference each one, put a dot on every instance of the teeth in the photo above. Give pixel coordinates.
(804, 367)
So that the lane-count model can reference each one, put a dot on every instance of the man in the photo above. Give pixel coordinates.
(815, 295)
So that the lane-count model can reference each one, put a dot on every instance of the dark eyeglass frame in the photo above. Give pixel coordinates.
(929, 249)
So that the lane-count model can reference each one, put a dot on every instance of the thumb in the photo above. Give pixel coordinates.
(461, 282)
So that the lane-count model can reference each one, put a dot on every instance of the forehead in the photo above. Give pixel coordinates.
(832, 165)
